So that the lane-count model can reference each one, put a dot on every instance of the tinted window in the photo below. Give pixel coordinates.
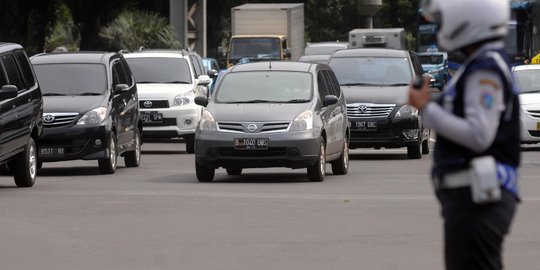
(196, 65)
(75, 79)
(372, 70)
(119, 75)
(323, 87)
(159, 70)
(26, 68)
(433, 59)
(255, 48)
(333, 82)
(3, 80)
(274, 86)
(129, 76)
(14, 77)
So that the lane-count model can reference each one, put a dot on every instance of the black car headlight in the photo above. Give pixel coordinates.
(93, 117)
(406, 111)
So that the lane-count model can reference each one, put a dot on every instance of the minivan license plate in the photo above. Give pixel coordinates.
(152, 117)
(48, 152)
(363, 125)
(251, 143)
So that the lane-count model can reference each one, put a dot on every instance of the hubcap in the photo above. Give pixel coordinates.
(137, 147)
(113, 153)
(323, 160)
(346, 154)
(32, 163)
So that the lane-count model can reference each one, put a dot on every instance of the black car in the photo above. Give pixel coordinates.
(21, 109)
(375, 82)
(91, 109)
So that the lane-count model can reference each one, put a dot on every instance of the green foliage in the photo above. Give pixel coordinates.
(64, 33)
(133, 29)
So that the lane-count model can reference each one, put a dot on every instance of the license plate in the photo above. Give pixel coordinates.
(363, 125)
(45, 152)
(152, 117)
(251, 143)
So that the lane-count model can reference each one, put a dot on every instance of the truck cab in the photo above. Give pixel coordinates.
(258, 48)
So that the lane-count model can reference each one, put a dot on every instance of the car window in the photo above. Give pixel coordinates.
(26, 68)
(372, 70)
(13, 74)
(160, 70)
(76, 79)
(528, 80)
(119, 75)
(322, 85)
(3, 79)
(333, 82)
(129, 76)
(265, 86)
(196, 66)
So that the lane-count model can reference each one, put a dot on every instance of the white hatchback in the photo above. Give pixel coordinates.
(167, 86)
(528, 78)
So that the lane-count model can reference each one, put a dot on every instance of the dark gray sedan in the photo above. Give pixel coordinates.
(278, 114)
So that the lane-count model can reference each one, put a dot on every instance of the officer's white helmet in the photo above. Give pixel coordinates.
(465, 22)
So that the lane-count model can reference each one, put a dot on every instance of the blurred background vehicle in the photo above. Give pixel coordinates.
(436, 64)
(528, 78)
(319, 52)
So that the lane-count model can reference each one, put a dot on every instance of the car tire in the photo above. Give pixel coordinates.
(133, 158)
(341, 165)
(108, 165)
(190, 143)
(414, 151)
(204, 174)
(234, 171)
(317, 171)
(425, 147)
(25, 165)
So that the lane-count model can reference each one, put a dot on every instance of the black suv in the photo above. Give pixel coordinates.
(91, 109)
(21, 110)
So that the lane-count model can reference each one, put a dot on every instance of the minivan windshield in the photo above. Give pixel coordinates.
(377, 71)
(528, 80)
(160, 70)
(431, 59)
(71, 79)
(265, 86)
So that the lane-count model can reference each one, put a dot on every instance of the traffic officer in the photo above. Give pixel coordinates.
(476, 120)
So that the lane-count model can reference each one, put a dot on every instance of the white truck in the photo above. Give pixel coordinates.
(393, 38)
(262, 32)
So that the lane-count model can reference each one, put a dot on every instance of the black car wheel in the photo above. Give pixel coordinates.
(133, 158)
(108, 165)
(25, 165)
(190, 143)
(425, 147)
(204, 174)
(341, 165)
(414, 151)
(317, 171)
(234, 171)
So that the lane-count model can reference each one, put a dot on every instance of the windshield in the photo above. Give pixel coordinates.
(528, 80)
(265, 86)
(255, 48)
(71, 79)
(160, 70)
(434, 59)
(381, 71)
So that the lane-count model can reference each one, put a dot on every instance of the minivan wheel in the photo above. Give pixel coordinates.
(108, 165)
(190, 143)
(25, 165)
(204, 174)
(414, 151)
(425, 147)
(234, 171)
(341, 165)
(317, 171)
(133, 158)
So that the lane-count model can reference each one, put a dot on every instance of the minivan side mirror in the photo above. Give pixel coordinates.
(204, 80)
(8, 91)
(201, 101)
(120, 87)
(330, 100)
(212, 73)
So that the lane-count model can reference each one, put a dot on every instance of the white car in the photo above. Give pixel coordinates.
(528, 77)
(167, 84)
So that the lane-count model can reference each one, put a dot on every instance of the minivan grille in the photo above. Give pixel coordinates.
(368, 110)
(153, 104)
(253, 127)
(58, 119)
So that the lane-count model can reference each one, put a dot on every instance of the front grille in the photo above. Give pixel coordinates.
(369, 110)
(58, 119)
(535, 113)
(271, 152)
(153, 104)
(166, 122)
(256, 127)
(534, 133)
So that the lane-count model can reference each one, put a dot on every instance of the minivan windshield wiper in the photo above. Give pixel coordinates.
(397, 84)
(53, 94)
(180, 82)
(146, 82)
(298, 100)
(359, 83)
(90, 94)
(252, 101)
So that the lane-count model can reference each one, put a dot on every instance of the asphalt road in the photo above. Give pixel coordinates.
(382, 215)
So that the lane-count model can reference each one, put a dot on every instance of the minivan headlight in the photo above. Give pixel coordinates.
(207, 123)
(406, 111)
(93, 117)
(184, 99)
(303, 122)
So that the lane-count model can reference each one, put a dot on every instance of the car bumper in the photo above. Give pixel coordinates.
(177, 122)
(285, 149)
(75, 142)
(530, 129)
(388, 134)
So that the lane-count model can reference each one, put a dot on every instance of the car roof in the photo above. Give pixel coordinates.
(73, 57)
(526, 67)
(158, 53)
(273, 66)
(328, 44)
(362, 52)
(5, 46)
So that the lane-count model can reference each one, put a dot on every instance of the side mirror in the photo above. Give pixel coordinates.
(212, 73)
(120, 87)
(8, 91)
(288, 53)
(204, 80)
(330, 100)
(201, 101)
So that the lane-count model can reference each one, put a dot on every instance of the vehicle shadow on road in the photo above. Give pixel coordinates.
(163, 152)
(69, 171)
(262, 178)
(381, 156)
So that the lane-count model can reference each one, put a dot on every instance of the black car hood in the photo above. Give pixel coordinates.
(80, 104)
(376, 94)
(257, 112)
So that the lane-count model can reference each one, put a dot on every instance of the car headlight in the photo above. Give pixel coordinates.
(208, 123)
(406, 111)
(93, 117)
(184, 99)
(303, 122)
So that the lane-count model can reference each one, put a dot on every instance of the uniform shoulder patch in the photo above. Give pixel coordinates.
(487, 99)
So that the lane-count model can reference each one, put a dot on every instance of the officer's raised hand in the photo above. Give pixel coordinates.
(419, 97)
